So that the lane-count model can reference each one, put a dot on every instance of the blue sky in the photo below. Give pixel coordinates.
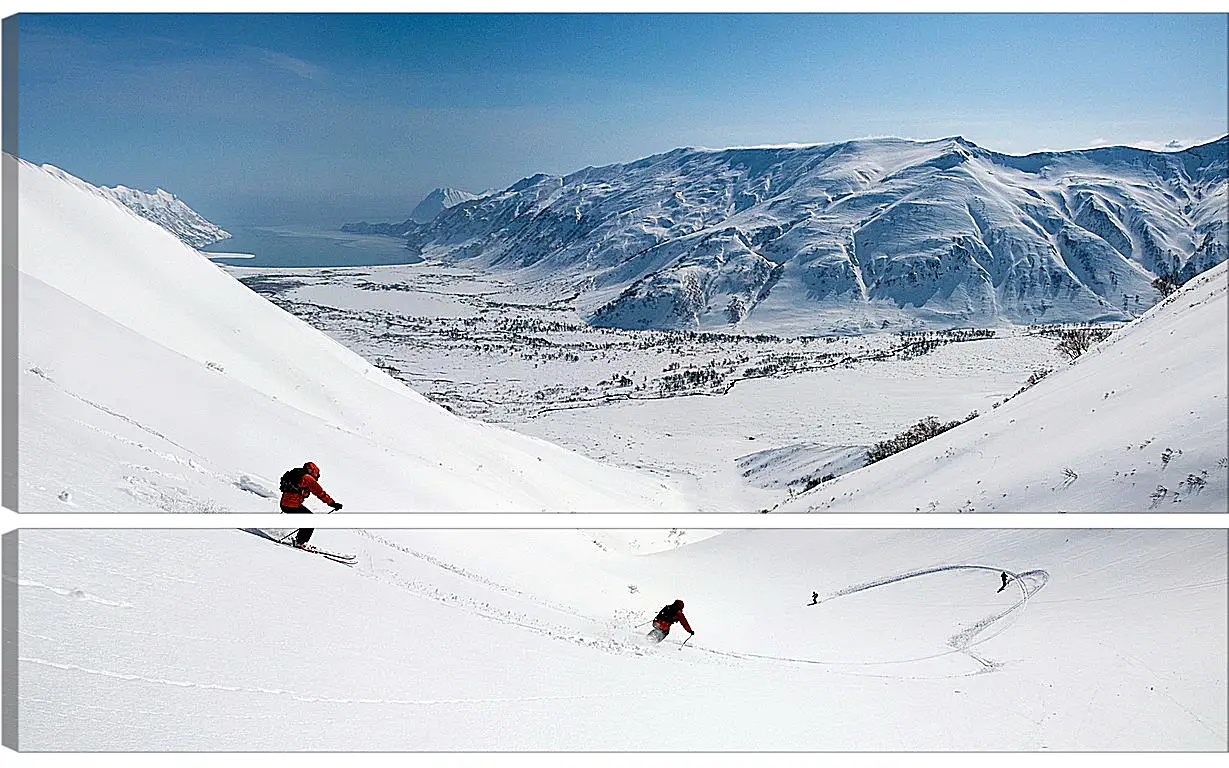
(300, 117)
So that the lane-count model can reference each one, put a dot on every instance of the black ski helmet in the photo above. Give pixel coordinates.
(678, 604)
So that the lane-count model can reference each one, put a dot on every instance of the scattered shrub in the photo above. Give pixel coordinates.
(1167, 284)
(920, 432)
(1074, 342)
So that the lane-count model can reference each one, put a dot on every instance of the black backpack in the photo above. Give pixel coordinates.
(291, 480)
(669, 613)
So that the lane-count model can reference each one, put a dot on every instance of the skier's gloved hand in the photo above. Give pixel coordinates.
(336, 507)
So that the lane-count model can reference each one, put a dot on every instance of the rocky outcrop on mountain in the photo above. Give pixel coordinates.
(170, 213)
(161, 207)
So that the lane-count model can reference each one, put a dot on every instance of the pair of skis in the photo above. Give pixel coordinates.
(337, 557)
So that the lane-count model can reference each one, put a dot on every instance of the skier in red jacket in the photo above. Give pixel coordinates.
(297, 486)
(665, 617)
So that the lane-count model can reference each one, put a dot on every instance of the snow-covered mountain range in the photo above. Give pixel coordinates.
(851, 236)
(160, 207)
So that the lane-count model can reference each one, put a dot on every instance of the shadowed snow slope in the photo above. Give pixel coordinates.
(1137, 424)
(527, 640)
(152, 381)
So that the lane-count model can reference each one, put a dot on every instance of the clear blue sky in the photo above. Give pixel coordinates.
(280, 118)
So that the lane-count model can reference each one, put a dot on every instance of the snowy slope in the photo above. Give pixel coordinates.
(851, 237)
(1139, 423)
(150, 380)
(160, 207)
(1109, 640)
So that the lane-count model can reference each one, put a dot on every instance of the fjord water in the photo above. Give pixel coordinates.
(306, 245)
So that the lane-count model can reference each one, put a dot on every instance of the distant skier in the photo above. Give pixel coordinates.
(297, 485)
(1004, 583)
(814, 599)
(665, 617)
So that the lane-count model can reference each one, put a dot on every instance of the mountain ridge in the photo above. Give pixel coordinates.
(851, 236)
(161, 207)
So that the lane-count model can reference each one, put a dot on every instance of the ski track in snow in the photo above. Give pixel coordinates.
(1035, 719)
(476, 607)
(491, 612)
(1028, 583)
(128, 677)
(470, 575)
(79, 594)
(36, 371)
(155, 490)
(961, 642)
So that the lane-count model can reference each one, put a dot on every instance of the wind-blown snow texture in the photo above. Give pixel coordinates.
(152, 381)
(852, 236)
(527, 640)
(160, 207)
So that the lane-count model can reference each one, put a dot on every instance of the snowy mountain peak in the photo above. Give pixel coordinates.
(439, 200)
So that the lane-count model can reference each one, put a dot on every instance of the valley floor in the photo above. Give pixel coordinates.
(739, 423)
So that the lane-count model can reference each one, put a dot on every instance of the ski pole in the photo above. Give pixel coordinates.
(688, 640)
(641, 624)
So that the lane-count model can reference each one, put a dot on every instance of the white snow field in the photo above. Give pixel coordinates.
(1105, 640)
(1139, 423)
(151, 381)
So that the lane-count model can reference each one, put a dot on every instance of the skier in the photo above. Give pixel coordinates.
(814, 599)
(297, 486)
(665, 617)
(1004, 583)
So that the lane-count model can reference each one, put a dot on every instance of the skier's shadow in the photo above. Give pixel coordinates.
(262, 533)
(258, 532)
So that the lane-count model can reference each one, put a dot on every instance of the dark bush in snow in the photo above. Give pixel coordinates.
(1074, 342)
(920, 432)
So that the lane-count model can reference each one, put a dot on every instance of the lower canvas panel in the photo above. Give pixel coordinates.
(503, 640)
